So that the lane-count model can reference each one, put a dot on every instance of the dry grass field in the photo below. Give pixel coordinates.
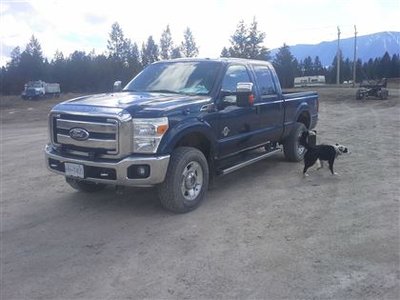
(264, 232)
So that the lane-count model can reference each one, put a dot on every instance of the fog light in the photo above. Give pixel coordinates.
(141, 171)
(138, 171)
(56, 165)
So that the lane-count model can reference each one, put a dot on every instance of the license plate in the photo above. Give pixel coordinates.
(74, 170)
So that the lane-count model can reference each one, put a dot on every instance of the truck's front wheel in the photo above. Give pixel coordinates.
(186, 181)
(291, 147)
(85, 186)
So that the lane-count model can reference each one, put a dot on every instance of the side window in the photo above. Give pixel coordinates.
(265, 81)
(233, 75)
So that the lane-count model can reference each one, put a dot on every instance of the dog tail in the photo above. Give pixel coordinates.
(303, 140)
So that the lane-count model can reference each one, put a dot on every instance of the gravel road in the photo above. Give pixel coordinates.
(264, 232)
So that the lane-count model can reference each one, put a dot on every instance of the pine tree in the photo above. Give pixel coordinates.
(134, 60)
(360, 74)
(247, 42)
(117, 45)
(285, 66)
(395, 66)
(166, 44)
(188, 46)
(239, 41)
(57, 67)
(32, 62)
(150, 52)
(346, 70)
(255, 40)
(58, 56)
(15, 58)
(307, 66)
(225, 52)
(385, 66)
(12, 78)
(176, 53)
(318, 69)
(34, 49)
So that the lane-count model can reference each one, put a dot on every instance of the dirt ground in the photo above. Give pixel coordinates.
(264, 232)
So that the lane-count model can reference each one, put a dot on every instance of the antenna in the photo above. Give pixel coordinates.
(338, 57)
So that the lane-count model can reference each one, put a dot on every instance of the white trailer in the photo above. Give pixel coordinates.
(309, 81)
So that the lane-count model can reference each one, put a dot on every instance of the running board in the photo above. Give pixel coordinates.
(248, 162)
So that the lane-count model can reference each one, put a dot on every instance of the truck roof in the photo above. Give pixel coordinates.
(225, 60)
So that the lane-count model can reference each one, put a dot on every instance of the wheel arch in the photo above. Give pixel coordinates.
(197, 135)
(304, 117)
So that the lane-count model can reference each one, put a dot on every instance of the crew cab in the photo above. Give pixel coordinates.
(177, 125)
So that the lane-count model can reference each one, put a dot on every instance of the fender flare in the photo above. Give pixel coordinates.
(173, 136)
(303, 108)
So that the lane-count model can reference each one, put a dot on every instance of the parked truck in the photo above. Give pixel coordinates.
(38, 89)
(176, 126)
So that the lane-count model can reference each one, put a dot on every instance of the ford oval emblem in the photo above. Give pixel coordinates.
(79, 134)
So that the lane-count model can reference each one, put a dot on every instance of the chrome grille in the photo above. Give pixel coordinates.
(103, 134)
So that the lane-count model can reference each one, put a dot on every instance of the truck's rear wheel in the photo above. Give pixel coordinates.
(186, 181)
(291, 147)
(85, 186)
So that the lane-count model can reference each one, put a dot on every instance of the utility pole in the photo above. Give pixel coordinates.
(355, 56)
(338, 58)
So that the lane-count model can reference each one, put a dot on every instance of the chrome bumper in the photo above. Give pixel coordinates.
(158, 168)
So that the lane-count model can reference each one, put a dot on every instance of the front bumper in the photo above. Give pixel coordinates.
(116, 172)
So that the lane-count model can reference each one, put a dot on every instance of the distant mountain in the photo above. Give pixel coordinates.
(368, 46)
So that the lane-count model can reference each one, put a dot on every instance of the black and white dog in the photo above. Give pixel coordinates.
(320, 152)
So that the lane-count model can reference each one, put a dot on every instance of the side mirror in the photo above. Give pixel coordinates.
(244, 94)
(117, 87)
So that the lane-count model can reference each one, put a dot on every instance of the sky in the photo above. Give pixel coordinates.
(85, 25)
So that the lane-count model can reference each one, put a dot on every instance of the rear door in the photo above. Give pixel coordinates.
(269, 104)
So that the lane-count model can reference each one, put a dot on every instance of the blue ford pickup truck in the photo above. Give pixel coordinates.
(177, 125)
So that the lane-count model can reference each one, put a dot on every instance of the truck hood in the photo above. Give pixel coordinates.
(135, 102)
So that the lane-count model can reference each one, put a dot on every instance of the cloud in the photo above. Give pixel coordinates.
(95, 18)
(85, 24)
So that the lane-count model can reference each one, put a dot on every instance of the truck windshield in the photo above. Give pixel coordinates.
(194, 78)
(35, 84)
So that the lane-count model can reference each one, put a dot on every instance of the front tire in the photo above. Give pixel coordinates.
(186, 181)
(291, 147)
(85, 186)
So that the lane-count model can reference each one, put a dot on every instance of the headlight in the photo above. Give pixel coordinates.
(147, 134)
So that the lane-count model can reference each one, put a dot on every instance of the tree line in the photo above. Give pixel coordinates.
(90, 72)
(247, 42)
(289, 67)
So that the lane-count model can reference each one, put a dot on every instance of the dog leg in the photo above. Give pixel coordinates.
(331, 166)
(305, 171)
(307, 164)
(320, 164)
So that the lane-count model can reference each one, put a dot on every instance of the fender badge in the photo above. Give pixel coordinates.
(226, 131)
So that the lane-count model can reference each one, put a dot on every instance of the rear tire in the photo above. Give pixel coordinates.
(85, 186)
(384, 93)
(186, 182)
(291, 148)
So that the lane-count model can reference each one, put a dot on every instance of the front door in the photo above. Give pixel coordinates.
(236, 124)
